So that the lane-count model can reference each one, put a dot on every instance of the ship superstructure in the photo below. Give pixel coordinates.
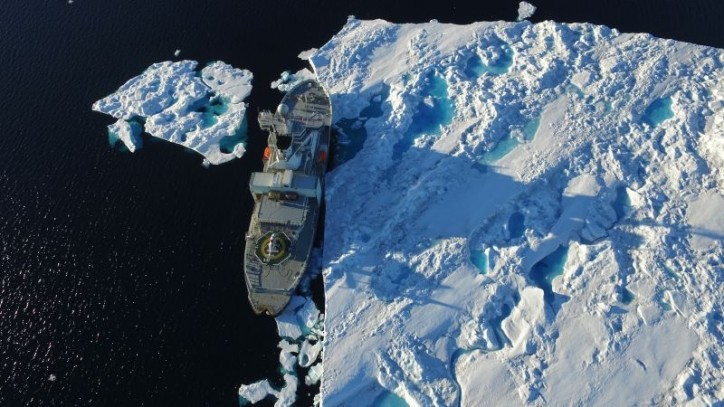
(287, 196)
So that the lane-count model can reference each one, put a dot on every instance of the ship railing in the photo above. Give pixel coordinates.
(273, 122)
(311, 120)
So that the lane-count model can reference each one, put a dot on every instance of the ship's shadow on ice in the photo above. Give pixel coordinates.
(426, 200)
(385, 209)
(398, 235)
(394, 281)
(416, 207)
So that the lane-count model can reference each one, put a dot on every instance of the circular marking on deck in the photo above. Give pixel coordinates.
(273, 248)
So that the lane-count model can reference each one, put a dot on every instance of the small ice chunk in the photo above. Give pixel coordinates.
(52, 378)
(288, 394)
(239, 150)
(288, 80)
(257, 392)
(177, 53)
(309, 352)
(287, 323)
(308, 315)
(128, 132)
(287, 355)
(287, 360)
(304, 55)
(314, 374)
(287, 326)
(525, 10)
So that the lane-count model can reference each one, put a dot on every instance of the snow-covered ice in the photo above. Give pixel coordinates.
(129, 132)
(201, 110)
(257, 392)
(314, 374)
(309, 352)
(706, 217)
(305, 55)
(571, 146)
(288, 80)
(525, 10)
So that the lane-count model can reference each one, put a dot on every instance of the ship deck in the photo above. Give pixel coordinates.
(299, 141)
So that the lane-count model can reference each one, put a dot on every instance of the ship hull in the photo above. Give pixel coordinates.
(287, 197)
(271, 287)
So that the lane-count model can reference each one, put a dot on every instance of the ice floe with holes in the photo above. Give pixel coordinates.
(538, 218)
(202, 110)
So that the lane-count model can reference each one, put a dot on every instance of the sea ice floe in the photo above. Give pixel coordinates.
(301, 330)
(288, 325)
(307, 54)
(256, 392)
(288, 355)
(309, 351)
(628, 187)
(525, 10)
(200, 110)
(288, 80)
(314, 374)
(129, 132)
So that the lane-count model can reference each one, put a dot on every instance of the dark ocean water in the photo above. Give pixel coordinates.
(120, 274)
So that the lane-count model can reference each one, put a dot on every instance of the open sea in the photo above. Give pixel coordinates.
(121, 274)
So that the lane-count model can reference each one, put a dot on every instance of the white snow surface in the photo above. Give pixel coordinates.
(168, 97)
(525, 10)
(257, 392)
(288, 80)
(633, 311)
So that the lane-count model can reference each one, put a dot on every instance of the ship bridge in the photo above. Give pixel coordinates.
(262, 183)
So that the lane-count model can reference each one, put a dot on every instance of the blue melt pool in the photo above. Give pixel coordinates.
(433, 112)
(504, 146)
(389, 399)
(475, 66)
(547, 269)
(531, 128)
(658, 111)
(479, 260)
